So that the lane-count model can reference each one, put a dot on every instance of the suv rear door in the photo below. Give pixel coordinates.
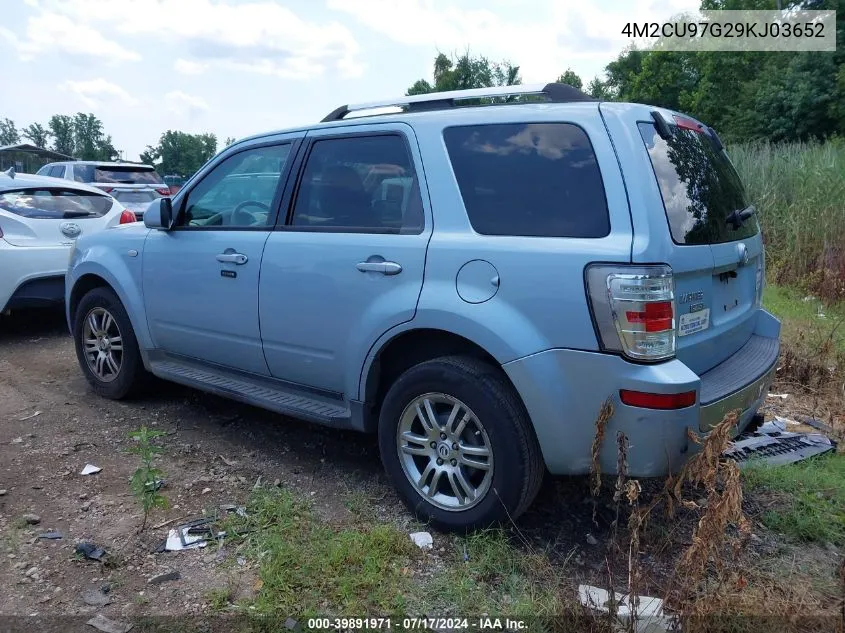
(686, 201)
(347, 264)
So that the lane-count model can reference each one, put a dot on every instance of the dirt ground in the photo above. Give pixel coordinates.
(53, 425)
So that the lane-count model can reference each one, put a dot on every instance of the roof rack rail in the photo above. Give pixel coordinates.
(554, 92)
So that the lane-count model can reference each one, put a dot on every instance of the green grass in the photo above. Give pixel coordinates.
(489, 574)
(809, 495)
(804, 333)
(798, 189)
(310, 568)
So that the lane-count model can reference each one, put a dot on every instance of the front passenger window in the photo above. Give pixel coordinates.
(238, 192)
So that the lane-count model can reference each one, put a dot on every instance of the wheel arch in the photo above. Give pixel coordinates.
(406, 349)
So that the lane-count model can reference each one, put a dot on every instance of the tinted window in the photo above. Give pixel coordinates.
(363, 182)
(699, 186)
(58, 171)
(43, 171)
(239, 191)
(532, 179)
(127, 175)
(54, 204)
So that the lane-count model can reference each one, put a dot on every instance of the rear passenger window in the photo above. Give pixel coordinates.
(360, 183)
(529, 179)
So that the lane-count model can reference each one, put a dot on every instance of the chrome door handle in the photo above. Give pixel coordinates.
(385, 268)
(232, 258)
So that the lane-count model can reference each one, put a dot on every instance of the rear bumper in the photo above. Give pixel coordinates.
(32, 276)
(563, 391)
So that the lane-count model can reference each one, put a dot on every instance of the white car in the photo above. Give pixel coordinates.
(40, 219)
(135, 185)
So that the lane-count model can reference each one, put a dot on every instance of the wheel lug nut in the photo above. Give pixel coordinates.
(442, 436)
(454, 462)
(455, 446)
(433, 445)
(439, 462)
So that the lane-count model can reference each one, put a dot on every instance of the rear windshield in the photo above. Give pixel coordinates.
(136, 196)
(699, 186)
(531, 179)
(55, 204)
(128, 175)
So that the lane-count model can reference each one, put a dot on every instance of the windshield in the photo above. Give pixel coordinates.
(55, 204)
(122, 174)
(700, 187)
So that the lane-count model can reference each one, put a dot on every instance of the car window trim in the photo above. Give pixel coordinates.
(278, 194)
(532, 122)
(296, 184)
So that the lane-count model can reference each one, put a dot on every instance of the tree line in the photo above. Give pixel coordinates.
(82, 136)
(746, 96)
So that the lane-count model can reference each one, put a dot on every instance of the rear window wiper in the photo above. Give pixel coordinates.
(738, 217)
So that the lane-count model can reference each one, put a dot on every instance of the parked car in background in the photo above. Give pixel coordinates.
(471, 282)
(40, 219)
(135, 185)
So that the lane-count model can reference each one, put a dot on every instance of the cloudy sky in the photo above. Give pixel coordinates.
(237, 67)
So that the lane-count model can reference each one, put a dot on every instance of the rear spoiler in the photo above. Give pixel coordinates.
(665, 128)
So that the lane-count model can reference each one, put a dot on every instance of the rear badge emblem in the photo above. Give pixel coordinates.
(71, 229)
(742, 254)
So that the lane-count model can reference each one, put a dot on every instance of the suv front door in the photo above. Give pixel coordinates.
(348, 264)
(201, 278)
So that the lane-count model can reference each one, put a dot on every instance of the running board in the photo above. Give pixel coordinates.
(256, 391)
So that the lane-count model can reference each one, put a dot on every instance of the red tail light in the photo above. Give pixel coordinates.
(127, 217)
(657, 400)
(688, 124)
(657, 316)
(165, 191)
(107, 189)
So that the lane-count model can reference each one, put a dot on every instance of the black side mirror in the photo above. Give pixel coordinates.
(166, 213)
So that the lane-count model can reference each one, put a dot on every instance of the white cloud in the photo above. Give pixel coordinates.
(544, 41)
(184, 104)
(51, 32)
(188, 67)
(254, 36)
(94, 92)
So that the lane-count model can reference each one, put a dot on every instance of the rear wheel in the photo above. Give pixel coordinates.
(457, 444)
(106, 346)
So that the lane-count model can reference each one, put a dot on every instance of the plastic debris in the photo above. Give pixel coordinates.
(239, 510)
(90, 469)
(30, 416)
(773, 444)
(102, 623)
(422, 540)
(90, 551)
(51, 536)
(591, 540)
(179, 539)
(649, 616)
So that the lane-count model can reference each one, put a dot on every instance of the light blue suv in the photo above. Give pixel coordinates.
(470, 277)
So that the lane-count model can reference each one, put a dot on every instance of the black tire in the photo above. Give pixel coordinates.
(518, 468)
(132, 378)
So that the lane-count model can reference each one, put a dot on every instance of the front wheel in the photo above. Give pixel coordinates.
(106, 346)
(458, 445)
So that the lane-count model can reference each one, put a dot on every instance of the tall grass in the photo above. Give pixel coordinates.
(799, 192)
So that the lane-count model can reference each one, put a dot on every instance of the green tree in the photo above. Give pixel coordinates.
(90, 142)
(571, 77)
(37, 134)
(9, 133)
(61, 129)
(180, 153)
(465, 72)
(229, 140)
(599, 89)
